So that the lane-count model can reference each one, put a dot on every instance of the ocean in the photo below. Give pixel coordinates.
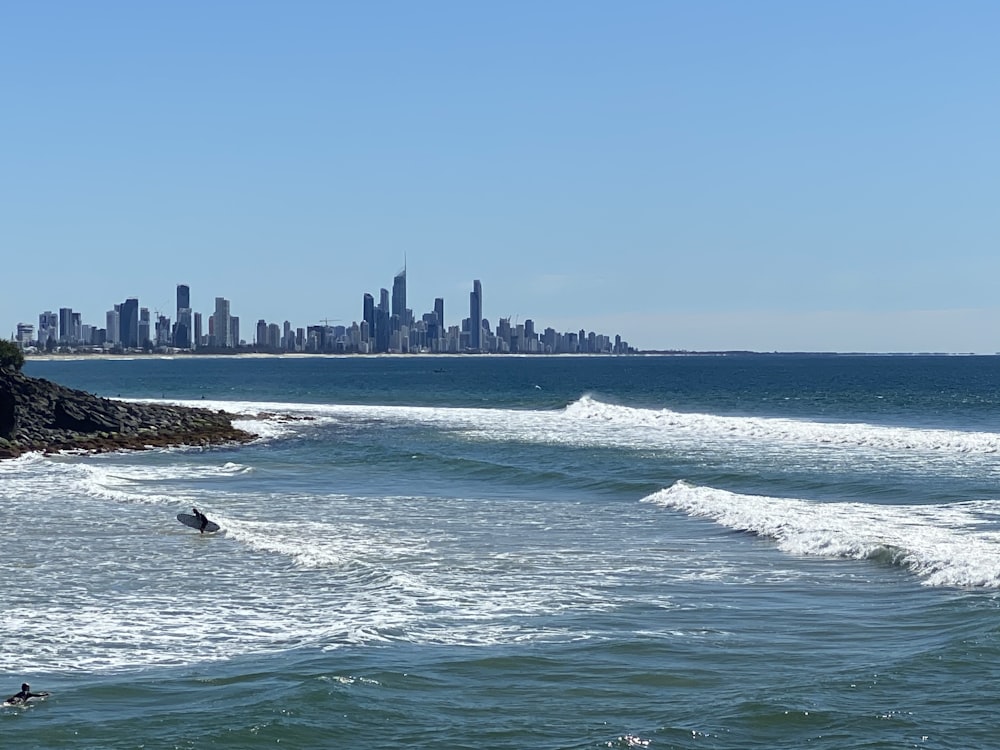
(744, 551)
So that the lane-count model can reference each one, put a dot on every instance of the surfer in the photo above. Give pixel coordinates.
(202, 519)
(25, 695)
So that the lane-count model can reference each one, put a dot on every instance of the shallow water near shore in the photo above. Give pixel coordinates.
(448, 552)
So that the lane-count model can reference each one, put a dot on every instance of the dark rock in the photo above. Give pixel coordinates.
(68, 415)
(38, 415)
(8, 414)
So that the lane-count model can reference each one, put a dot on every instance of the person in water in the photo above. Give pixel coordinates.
(25, 695)
(202, 519)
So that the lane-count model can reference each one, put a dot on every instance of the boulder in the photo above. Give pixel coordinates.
(38, 415)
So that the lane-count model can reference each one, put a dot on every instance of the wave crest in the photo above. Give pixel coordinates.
(943, 545)
(710, 427)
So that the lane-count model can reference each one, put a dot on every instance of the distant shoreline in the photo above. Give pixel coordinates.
(79, 356)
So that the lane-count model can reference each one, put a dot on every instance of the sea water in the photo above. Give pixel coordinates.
(516, 552)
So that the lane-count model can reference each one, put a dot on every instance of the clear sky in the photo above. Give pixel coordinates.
(818, 176)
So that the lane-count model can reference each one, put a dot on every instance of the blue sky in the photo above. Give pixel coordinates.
(699, 175)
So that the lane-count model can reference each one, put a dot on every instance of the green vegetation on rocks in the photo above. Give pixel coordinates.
(11, 356)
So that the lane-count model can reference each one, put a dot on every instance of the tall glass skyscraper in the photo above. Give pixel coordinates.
(182, 331)
(113, 325)
(183, 298)
(66, 325)
(128, 322)
(476, 316)
(399, 295)
(222, 324)
(368, 313)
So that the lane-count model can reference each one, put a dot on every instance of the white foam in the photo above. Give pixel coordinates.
(307, 544)
(117, 485)
(260, 587)
(944, 545)
(785, 431)
(151, 473)
(589, 422)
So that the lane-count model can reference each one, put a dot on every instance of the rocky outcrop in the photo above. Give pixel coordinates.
(38, 415)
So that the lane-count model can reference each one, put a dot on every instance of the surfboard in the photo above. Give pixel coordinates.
(189, 520)
(36, 698)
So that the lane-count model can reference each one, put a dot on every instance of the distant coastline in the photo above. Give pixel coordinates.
(125, 356)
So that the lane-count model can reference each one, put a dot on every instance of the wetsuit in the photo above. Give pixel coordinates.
(202, 519)
(24, 696)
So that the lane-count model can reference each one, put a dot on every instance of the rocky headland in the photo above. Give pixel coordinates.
(39, 415)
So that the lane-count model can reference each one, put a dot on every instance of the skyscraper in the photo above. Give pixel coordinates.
(66, 325)
(439, 310)
(368, 313)
(144, 338)
(113, 325)
(476, 316)
(76, 322)
(436, 336)
(399, 296)
(48, 327)
(183, 298)
(183, 329)
(221, 324)
(128, 322)
(25, 334)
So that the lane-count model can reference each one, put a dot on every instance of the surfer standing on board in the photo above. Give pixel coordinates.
(202, 519)
(25, 695)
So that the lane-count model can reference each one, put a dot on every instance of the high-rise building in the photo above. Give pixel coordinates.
(183, 297)
(197, 331)
(25, 334)
(76, 325)
(183, 330)
(163, 331)
(66, 325)
(273, 336)
(48, 327)
(221, 324)
(399, 296)
(504, 335)
(128, 322)
(112, 323)
(145, 339)
(368, 315)
(476, 316)
(381, 333)
(439, 311)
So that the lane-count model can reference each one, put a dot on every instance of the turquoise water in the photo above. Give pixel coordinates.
(476, 552)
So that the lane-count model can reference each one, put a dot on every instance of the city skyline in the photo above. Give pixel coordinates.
(389, 326)
(705, 176)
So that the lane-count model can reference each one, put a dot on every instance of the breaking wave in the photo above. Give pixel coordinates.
(950, 545)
